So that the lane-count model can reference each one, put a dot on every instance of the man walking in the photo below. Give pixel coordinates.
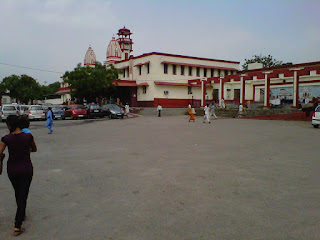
(159, 109)
(212, 112)
(206, 114)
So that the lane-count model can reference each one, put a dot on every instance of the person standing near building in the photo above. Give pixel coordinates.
(240, 110)
(212, 111)
(206, 114)
(49, 120)
(127, 109)
(19, 166)
(223, 105)
(159, 109)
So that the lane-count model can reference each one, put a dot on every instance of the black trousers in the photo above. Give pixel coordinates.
(159, 113)
(21, 185)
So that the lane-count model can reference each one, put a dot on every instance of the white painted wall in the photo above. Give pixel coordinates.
(157, 74)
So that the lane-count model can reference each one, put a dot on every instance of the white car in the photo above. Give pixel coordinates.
(9, 109)
(316, 117)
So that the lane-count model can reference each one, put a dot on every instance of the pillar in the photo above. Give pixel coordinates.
(220, 91)
(295, 89)
(242, 90)
(203, 88)
(266, 91)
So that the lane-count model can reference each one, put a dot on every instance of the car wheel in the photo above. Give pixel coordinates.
(315, 126)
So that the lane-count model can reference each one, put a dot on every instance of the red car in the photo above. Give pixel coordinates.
(76, 111)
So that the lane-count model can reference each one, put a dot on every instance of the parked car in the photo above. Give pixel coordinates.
(22, 109)
(58, 112)
(316, 117)
(113, 111)
(9, 109)
(76, 111)
(94, 110)
(35, 112)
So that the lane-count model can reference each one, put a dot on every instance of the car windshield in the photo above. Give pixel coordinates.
(94, 107)
(9, 108)
(115, 107)
(57, 108)
(36, 108)
(23, 107)
(79, 108)
(318, 109)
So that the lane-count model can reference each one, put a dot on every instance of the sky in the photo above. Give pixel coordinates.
(54, 35)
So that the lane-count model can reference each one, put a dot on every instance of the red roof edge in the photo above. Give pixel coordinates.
(176, 55)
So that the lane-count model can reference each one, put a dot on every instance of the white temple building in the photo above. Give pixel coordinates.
(175, 80)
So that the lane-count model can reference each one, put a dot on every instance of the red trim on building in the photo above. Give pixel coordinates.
(288, 83)
(141, 64)
(123, 67)
(282, 67)
(181, 56)
(63, 91)
(142, 84)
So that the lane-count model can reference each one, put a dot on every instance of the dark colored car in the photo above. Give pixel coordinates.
(76, 111)
(113, 111)
(58, 112)
(94, 110)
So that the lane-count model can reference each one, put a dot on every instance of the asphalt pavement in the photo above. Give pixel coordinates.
(150, 178)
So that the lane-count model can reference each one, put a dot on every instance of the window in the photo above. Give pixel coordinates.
(205, 72)
(139, 69)
(144, 89)
(174, 69)
(198, 72)
(189, 90)
(148, 68)
(182, 70)
(219, 73)
(165, 68)
(212, 72)
(190, 71)
(124, 72)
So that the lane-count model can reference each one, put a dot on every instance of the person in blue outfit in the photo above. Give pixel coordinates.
(49, 120)
(25, 124)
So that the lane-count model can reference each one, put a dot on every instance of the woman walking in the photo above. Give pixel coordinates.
(191, 114)
(49, 120)
(19, 166)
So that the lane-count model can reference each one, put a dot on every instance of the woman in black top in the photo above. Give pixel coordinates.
(19, 166)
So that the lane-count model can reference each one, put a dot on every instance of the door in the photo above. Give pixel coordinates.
(236, 95)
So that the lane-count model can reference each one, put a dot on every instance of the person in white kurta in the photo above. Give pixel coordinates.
(240, 110)
(212, 112)
(222, 103)
(206, 114)
(127, 108)
(159, 109)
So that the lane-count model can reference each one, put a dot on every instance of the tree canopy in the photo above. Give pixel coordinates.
(91, 83)
(267, 61)
(25, 88)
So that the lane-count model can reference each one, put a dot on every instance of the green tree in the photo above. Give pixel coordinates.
(267, 61)
(91, 83)
(46, 91)
(24, 88)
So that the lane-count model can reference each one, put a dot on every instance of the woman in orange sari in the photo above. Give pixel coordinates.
(191, 114)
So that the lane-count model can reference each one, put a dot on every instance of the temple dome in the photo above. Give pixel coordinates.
(90, 58)
(114, 50)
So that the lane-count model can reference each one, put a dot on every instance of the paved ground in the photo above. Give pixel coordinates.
(152, 178)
